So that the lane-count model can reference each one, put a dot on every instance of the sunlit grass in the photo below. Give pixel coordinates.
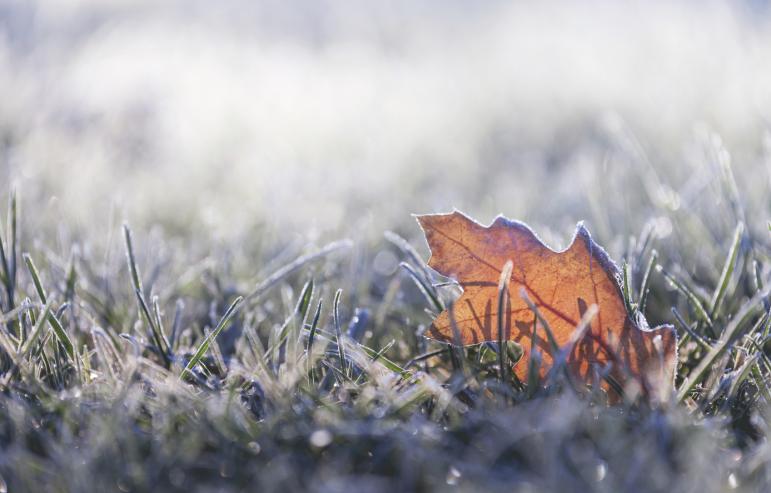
(142, 371)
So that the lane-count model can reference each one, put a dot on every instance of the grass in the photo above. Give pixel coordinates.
(150, 372)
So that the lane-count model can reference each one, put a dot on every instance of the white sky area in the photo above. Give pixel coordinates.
(306, 114)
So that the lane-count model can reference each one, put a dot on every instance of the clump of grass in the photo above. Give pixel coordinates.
(279, 383)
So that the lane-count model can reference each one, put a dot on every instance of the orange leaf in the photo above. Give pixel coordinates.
(561, 286)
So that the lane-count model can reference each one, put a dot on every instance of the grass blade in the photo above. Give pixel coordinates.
(731, 333)
(33, 272)
(728, 269)
(56, 325)
(156, 331)
(5, 275)
(503, 299)
(229, 313)
(627, 288)
(339, 332)
(304, 302)
(644, 289)
(549, 334)
(61, 335)
(681, 321)
(694, 300)
(13, 216)
(288, 269)
(427, 290)
(312, 338)
(36, 331)
(131, 259)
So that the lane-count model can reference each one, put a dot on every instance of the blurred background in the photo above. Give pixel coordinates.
(319, 120)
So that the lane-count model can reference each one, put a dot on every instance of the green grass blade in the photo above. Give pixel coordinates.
(33, 272)
(314, 326)
(152, 322)
(36, 331)
(136, 281)
(299, 316)
(694, 300)
(155, 332)
(728, 269)
(731, 333)
(56, 325)
(204, 346)
(61, 335)
(378, 356)
(304, 302)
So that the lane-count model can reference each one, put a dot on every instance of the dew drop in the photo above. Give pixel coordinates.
(453, 475)
(600, 471)
(254, 448)
(320, 438)
(733, 483)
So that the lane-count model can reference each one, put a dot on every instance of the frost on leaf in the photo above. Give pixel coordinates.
(561, 285)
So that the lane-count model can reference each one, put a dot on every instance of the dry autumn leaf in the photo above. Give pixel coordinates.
(561, 288)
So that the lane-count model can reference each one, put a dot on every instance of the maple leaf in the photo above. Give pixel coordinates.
(546, 287)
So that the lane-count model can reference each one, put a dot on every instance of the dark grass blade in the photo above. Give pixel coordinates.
(339, 332)
(8, 254)
(289, 332)
(456, 349)
(136, 280)
(692, 333)
(426, 289)
(5, 274)
(13, 217)
(644, 285)
(311, 339)
(304, 302)
(692, 298)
